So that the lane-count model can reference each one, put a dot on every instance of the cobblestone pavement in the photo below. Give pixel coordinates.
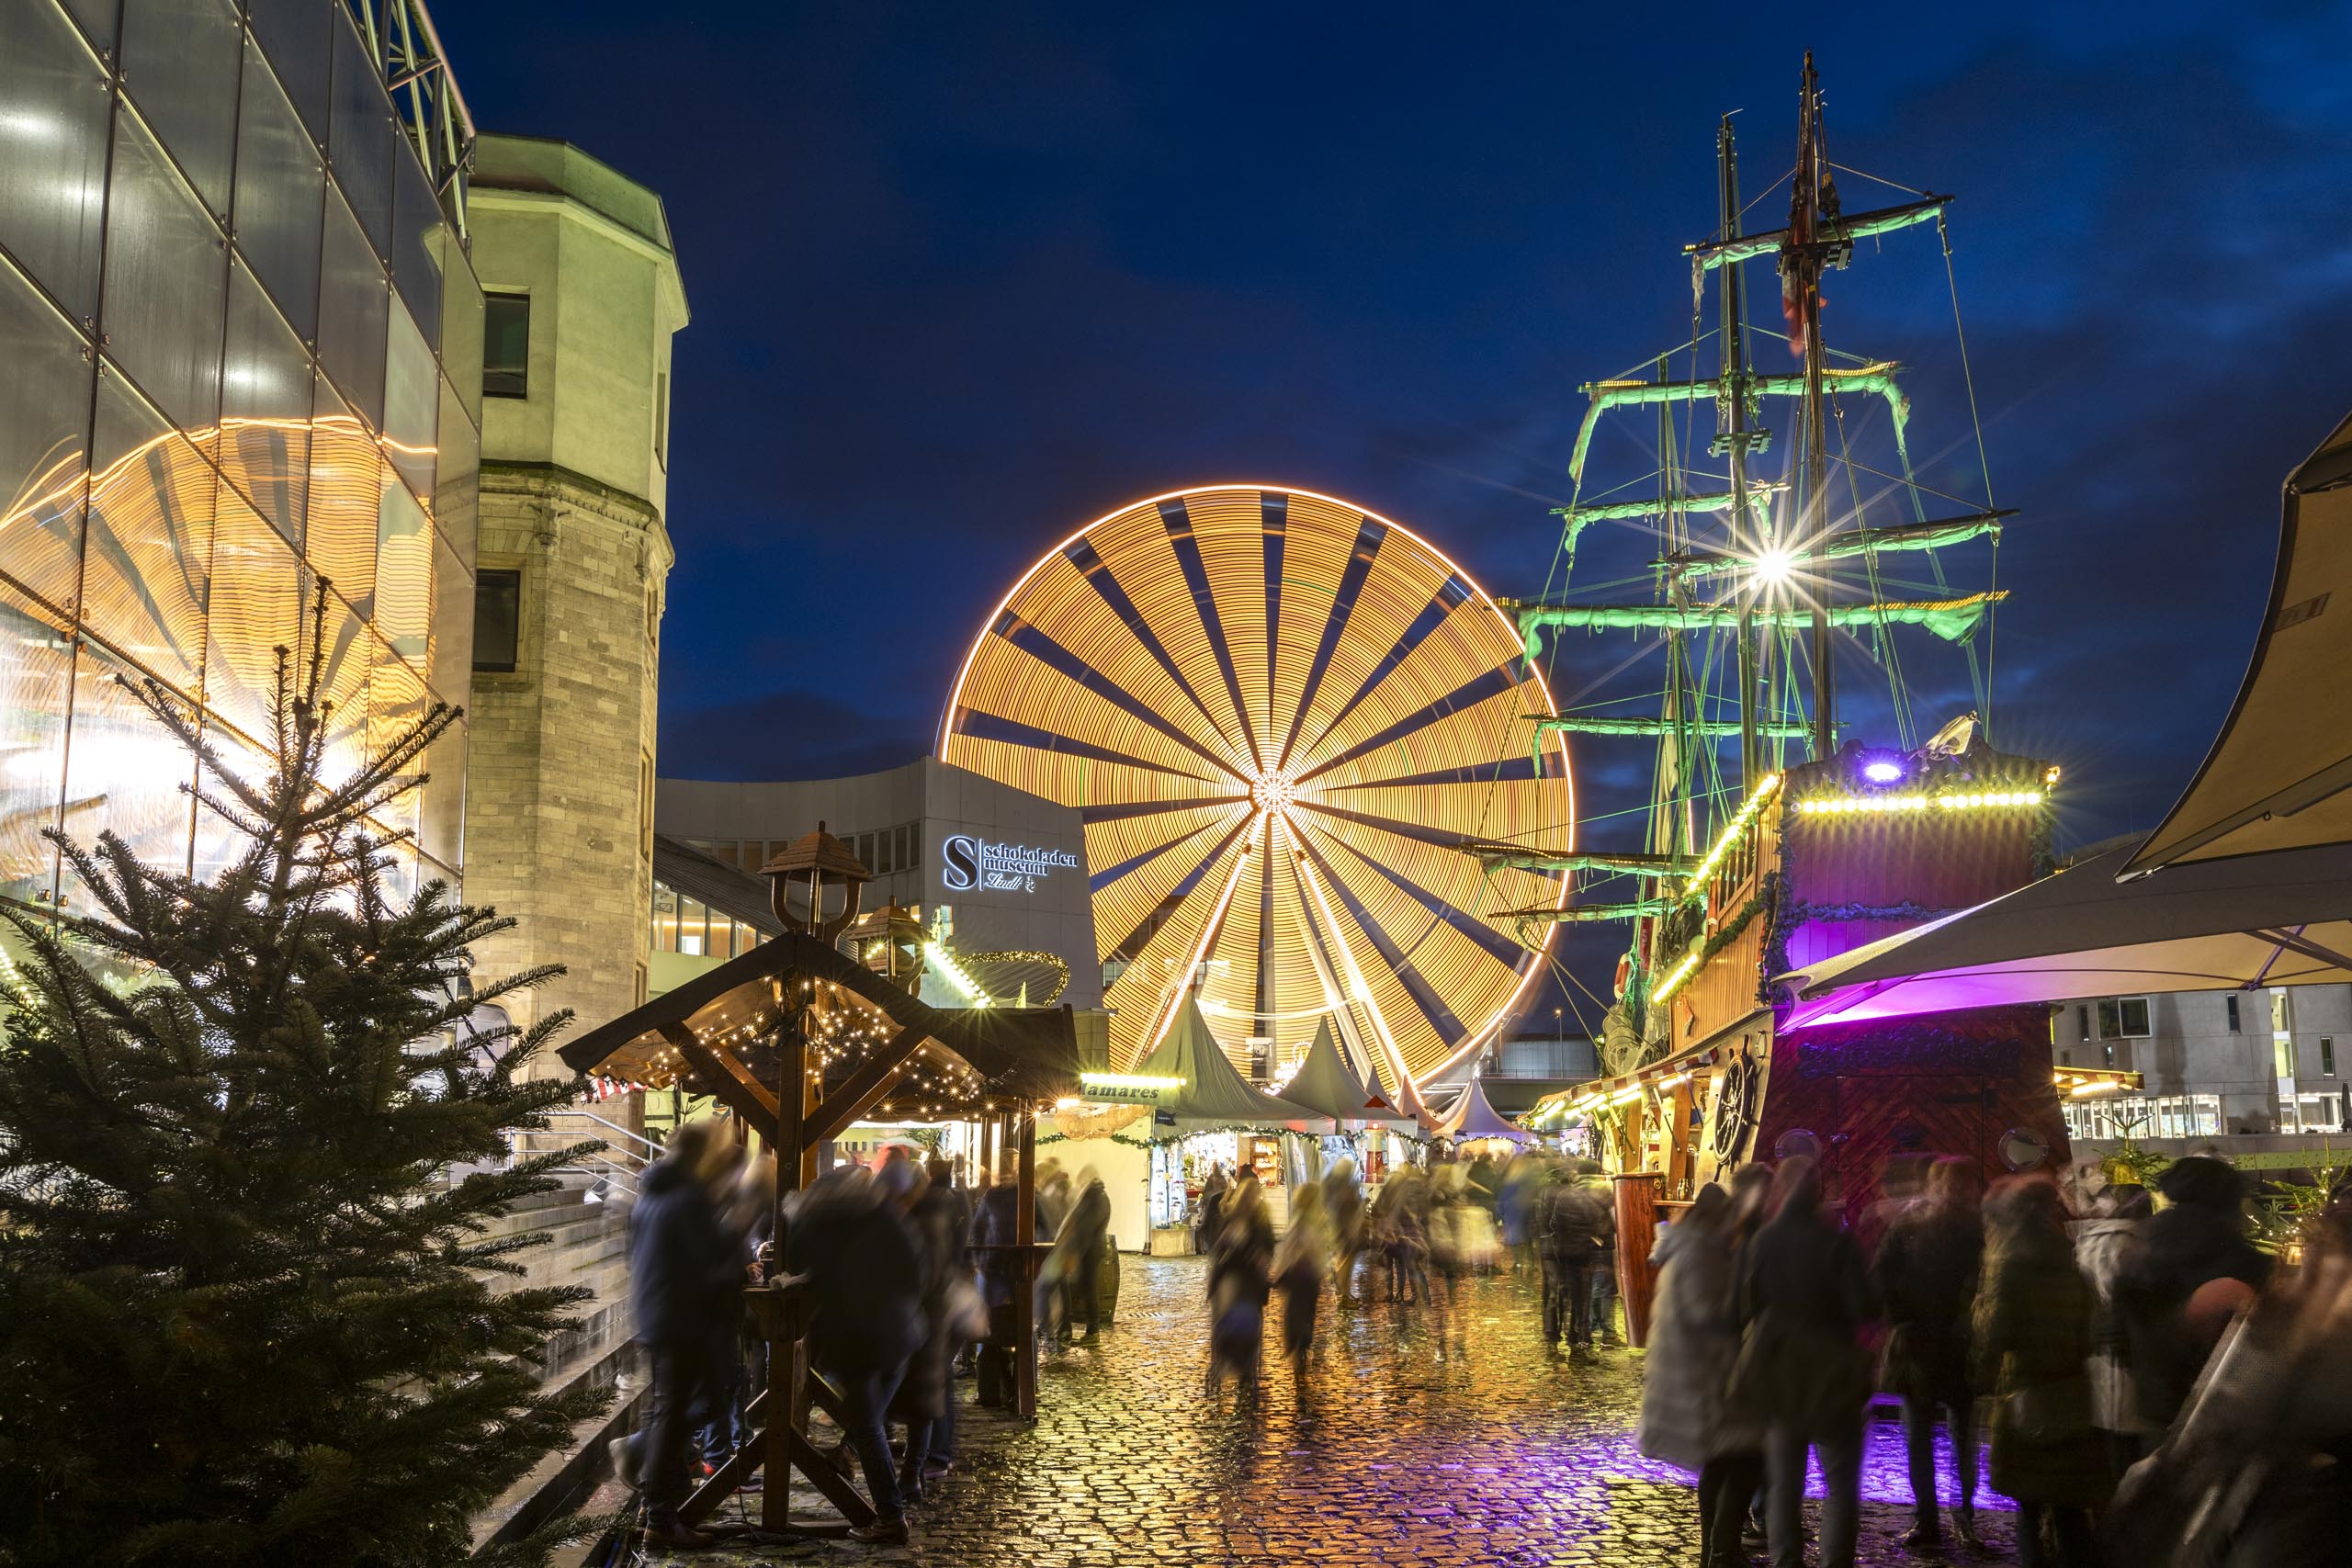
(1413, 1437)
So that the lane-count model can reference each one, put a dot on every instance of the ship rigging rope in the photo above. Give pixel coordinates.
(1984, 463)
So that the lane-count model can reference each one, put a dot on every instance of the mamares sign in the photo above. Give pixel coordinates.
(968, 862)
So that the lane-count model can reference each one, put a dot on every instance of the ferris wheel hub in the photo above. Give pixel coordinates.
(1272, 791)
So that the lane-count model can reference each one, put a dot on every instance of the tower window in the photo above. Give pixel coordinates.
(2234, 1014)
(507, 345)
(497, 620)
(2328, 1056)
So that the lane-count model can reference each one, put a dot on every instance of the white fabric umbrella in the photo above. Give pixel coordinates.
(2272, 920)
(2279, 775)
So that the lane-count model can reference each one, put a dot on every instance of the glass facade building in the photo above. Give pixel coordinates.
(242, 345)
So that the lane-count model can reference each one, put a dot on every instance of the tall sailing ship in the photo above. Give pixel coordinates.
(1790, 821)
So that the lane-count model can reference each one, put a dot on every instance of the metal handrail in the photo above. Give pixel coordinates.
(592, 1116)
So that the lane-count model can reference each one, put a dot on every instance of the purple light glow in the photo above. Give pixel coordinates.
(1882, 772)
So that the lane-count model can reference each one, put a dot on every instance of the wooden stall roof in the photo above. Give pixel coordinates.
(1015, 1054)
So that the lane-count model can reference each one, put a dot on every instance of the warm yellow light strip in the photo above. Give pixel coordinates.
(1129, 1080)
(1355, 979)
(1730, 835)
(1676, 976)
(1844, 805)
(945, 962)
(1175, 997)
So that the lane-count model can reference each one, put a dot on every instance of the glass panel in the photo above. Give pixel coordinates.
(461, 325)
(150, 547)
(44, 416)
(266, 391)
(97, 16)
(295, 34)
(691, 937)
(419, 239)
(166, 278)
(256, 608)
(123, 773)
(179, 59)
(35, 662)
(722, 935)
(52, 150)
(458, 463)
(353, 301)
(342, 678)
(346, 495)
(281, 186)
(507, 345)
(412, 403)
(450, 656)
(217, 843)
(441, 822)
(360, 142)
(403, 611)
(396, 701)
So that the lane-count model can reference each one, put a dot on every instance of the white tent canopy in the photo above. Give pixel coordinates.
(2279, 777)
(1210, 1093)
(2273, 919)
(1324, 1083)
(1473, 1115)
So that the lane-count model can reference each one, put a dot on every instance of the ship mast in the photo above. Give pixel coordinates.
(1750, 536)
(1804, 254)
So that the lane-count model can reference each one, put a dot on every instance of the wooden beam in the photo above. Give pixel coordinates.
(1024, 1274)
(730, 1079)
(882, 1068)
(738, 1469)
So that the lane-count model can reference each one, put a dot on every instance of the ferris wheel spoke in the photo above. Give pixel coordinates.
(1116, 850)
(1427, 1020)
(1240, 572)
(1154, 901)
(1448, 598)
(1518, 768)
(1120, 811)
(1480, 688)
(1104, 582)
(1446, 910)
(1370, 533)
(978, 726)
(1037, 643)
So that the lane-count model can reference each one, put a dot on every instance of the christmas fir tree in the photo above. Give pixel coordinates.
(248, 1315)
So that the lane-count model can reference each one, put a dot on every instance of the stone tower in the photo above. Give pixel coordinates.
(581, 294)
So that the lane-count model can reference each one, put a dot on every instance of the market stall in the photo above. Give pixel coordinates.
(1369, 1127)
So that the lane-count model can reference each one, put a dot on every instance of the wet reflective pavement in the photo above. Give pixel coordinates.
(1449, 1435)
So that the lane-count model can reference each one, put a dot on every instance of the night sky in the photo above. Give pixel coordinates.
(964, 278)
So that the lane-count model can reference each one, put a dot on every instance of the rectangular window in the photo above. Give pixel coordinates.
(505, 346)
(693, 938)
(882, 848)
(2123, 1018)
(497, 620)
(914, 846)
(665, 919)
(645, 805)
(865, 851)
(2234, 1014)
(902, 835)
(2085, 1014)
(2328, 1056)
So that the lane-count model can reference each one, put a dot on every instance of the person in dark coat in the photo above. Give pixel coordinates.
(684, 1276)
(2200, 1238)
(921, 1401)
(1077, 1257)
(1570, 1220)
(1240, 1280)
(941, 1218)
(1925, 1276)
(862, 1282)
(1803, 1297)
(1686, 1419)
(2032, 1338)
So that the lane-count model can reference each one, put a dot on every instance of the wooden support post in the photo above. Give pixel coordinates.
(784, 1413)
(1025, 1273)
(1680, 1142)
(729, 1079)
(1636, 1231)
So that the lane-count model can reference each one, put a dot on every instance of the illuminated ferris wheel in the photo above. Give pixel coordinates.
(1278, 715)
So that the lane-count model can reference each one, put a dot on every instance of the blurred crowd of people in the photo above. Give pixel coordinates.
(903, 1279)
(2083, 1320)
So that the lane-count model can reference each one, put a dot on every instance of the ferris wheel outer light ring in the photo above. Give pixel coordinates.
(1477, 1037)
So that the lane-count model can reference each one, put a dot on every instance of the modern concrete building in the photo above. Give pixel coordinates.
(993, 870)
(240, 360)
(582, 295)
(2216, 1065)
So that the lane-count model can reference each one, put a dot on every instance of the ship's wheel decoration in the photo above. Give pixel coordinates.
(1735, 1112)
(1279, 715)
